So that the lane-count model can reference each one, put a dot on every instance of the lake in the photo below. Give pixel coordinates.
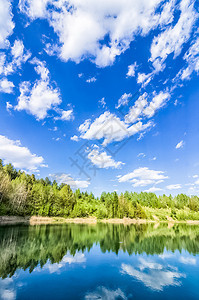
(103, 261)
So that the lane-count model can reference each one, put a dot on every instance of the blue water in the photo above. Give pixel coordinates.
(99, 262)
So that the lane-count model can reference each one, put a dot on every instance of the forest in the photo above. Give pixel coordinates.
(22, 194)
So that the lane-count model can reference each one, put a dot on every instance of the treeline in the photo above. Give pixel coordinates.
(24, 195)
(24, 247)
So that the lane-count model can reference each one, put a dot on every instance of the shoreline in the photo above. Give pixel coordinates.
(37, 220)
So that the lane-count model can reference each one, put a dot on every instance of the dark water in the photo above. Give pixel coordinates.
(99, 262)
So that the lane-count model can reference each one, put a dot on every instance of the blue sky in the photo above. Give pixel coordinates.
(102, 95)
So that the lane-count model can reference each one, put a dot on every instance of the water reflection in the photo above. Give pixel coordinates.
(103, 261)
(25, 247)
(154, 275)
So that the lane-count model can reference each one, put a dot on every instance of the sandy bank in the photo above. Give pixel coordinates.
(35, 220)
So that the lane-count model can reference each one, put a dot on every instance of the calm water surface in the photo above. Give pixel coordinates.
(99, 262)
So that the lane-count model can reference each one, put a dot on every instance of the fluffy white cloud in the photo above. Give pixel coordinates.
(40, 97)
(21, 157)
(174, 186)
(102, 159)
(74, 138)
(131, 70)
(157, 102)
(143, 177)
(110, 128)
(124, 99)
(120, 21)
(180, 144)
(67, 179)
(6, 86)
(173, 38)
(6, 23)
(65, 115)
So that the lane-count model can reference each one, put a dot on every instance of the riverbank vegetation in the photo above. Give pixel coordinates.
(22, 194)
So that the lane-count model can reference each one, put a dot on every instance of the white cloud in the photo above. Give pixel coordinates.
(67, 179)
(141, 155)
(8, 106)
(188, 260)
(136, 110)
(195, 176)
(192, 61)
(124, 99)
(40, 97)
(74, 138)
(131, 70)
(102, 102)
(143, 177)
(153, 190)
(180, 144)
(92, 79)
(104, 293)
(6, 86)
(157, 102)
(153, 275)
(78, 258)
(110, 128)
(117, 21)
(102, 159)
(6, 23)
(65, 115)
(174, 186)
(173, 38)
(21, 157)
(11, 63)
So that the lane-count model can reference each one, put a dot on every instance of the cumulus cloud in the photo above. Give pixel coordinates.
(180, 144)
(131, 70)
(110, 128)
(67, 179)
(102, 159)
(174, 186)
(6, 23)
(6, 86)
(143, 177)
(65, 115)
(114, 20)
(40, 97)
(21, 157)
(74, 138)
